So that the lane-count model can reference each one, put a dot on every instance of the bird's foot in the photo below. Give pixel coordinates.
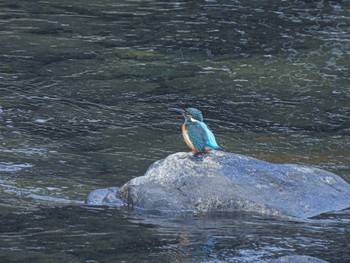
(195, 152)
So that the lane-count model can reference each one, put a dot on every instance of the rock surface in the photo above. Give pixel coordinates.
(105, 196)
(221, 181)
(298, 259)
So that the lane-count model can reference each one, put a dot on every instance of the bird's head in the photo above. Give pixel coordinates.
(189, 113)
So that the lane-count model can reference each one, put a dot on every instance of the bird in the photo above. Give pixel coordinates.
(198, 137)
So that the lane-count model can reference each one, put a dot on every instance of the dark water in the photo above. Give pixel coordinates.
(84, 92)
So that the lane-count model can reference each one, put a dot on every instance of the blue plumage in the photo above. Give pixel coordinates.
(200, 135)
(196, 133)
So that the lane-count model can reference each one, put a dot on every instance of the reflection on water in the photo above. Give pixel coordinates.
(77, 234)
(84, 88)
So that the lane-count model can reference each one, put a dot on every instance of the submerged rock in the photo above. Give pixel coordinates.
(105, 196)
(221, 181)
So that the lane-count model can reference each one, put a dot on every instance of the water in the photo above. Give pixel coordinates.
(84, 92)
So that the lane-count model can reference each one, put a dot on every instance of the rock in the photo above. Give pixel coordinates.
(105, 196)
(298, 259)
(221, 181)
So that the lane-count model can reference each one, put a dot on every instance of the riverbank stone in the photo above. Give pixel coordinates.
(221, 181)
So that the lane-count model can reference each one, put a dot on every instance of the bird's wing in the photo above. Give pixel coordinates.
(201, 136)
(197, 135)
(209, 136)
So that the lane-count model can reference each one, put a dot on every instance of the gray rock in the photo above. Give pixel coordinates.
(298, 259)
(105, 196)
(221, 181)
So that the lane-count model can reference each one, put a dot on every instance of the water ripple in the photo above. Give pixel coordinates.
(13, 167)
(84, 92)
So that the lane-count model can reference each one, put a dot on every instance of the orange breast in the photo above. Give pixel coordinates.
(187, 139)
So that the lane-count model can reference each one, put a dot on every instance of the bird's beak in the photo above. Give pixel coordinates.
(181, 111)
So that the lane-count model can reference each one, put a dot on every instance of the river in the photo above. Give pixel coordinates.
(84, 91)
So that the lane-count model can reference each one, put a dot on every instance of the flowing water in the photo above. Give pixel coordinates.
(84, 91)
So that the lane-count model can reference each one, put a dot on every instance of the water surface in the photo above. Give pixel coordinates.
(84, 92)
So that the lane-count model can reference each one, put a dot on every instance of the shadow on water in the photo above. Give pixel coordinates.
(84, 88)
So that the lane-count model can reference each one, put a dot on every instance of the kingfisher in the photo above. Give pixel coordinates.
(198, 137)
